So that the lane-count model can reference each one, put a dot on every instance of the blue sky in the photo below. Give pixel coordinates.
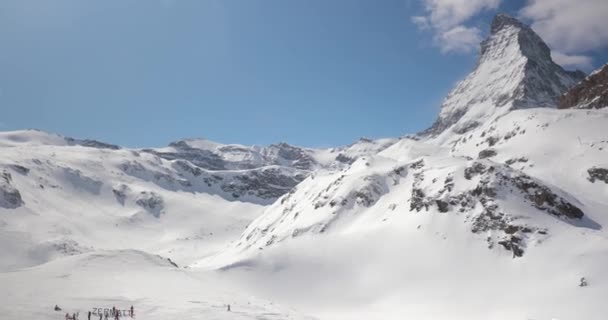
(309, 72)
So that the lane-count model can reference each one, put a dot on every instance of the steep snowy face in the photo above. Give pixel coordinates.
(514, 71)
(591, 93)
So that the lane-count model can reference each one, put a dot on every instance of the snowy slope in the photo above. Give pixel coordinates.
(126, 278)
(498, 211)
(501, 202)
(63, 196)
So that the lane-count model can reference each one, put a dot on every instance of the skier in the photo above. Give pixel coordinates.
(228, 308)
(131, 311)
(73, 316)
(89, 316)
(100, 316)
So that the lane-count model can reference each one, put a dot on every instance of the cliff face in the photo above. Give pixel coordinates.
(591, 93)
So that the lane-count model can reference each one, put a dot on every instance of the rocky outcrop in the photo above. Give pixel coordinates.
(20, 169)
(290, 156)
(591, 93)
(152, 202)
(183, 151)
(91, 143)
(120, 193)
(269, 183)
(487, 153)
(600, 174)
(10, 197)
(492, 180)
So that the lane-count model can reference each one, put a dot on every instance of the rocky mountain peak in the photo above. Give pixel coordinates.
(514, 71)
(529, 43)
(503, 20)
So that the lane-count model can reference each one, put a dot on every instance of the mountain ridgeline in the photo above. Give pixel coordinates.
(501, 161)
(497, 161)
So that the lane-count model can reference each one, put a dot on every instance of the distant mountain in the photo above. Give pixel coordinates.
(73, 183)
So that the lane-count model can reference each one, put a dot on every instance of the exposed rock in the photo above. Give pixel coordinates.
(475, 169)
(591, 93)
(513, 244)
(80, 181)
(492, 140)
(201, 158)
(487, 153)
(10, 198)
(20, 169)
(345, 159)
(91, 144)
(515, 160)
(269, 183)
(598, 174)
(151, 202)
(296, 157)
(442, 205)
(187, 167)
(120, 193)
(543, 198)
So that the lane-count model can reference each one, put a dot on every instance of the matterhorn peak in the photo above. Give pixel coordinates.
(514, 71)
(503, 20)
(530, 44)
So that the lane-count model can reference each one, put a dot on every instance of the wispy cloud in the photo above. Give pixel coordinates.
(575, 61)
(570, 27)
(447, 20)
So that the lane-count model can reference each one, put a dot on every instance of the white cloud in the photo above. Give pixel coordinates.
(446, 18)
(575, 61)
(568, 26)
(446, 14)
(421, 22)
(571, 25)
(459, 39)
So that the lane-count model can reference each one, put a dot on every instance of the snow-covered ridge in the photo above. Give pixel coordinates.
(499, 182)
(501, 160)
(53, 190)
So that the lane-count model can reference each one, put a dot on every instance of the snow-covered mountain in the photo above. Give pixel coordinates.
(503, 179)
(502, 201)
(58, 194)
(514, 71)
